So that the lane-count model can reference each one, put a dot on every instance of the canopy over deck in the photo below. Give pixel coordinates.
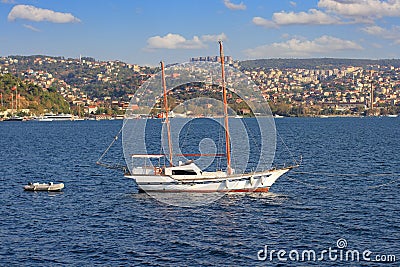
(147, 156)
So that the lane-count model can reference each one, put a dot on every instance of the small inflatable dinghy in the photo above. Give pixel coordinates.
(44, 187)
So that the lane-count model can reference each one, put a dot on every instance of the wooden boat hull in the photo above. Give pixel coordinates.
(254, 182)
(44, 187)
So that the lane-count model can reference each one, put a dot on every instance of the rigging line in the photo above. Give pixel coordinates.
(286, 146)
(113, 141)
(252, 137)
(273, 124)
(220, 143)
(228, 50)
(189, 127)
(257, 145)
(114, 166)
(185, 136)
(161, 149)
(162, 139)
(218, 162)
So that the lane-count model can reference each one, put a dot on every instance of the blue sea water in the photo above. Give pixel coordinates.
(100, 219)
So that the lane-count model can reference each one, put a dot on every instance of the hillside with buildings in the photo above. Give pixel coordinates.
(89, 86)
(328, 87)
(293, 87)
(316, 63)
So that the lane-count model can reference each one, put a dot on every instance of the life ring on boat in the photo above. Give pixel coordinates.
(157, 170)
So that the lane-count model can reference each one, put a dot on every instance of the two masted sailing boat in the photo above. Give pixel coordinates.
(188, 177)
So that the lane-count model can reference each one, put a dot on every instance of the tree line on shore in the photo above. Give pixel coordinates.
(20, 95)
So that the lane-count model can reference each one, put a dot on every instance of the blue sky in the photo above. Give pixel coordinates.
(147, 31)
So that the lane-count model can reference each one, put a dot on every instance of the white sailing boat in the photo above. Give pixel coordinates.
(189, 177)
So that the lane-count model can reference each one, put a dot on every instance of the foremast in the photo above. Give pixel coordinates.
(226, 122)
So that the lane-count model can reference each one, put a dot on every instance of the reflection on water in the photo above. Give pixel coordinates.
(184, 199)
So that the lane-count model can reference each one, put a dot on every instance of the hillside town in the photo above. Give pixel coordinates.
(374, 90)
(102, 89)
(81, 76)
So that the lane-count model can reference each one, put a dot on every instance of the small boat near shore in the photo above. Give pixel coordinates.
(44, 187)
(277, 116)
(55, 117)
(15, 118)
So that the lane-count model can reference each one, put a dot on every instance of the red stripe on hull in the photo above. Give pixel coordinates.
(264, 189)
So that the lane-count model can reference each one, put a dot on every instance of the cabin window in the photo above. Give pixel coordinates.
(183, 172)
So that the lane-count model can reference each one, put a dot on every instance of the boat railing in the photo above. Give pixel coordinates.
(143, 170)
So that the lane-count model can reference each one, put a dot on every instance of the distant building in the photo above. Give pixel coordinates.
(228, 59)
(91, 109)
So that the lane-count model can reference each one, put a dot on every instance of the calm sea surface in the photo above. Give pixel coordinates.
(100, 219)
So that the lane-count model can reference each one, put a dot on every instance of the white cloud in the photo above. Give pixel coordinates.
(30, 27)
(214, 38)
(259, 21)
(313, 16)
(8, 1)
(375, 30)
(388, 34)
(362, 10)
(334, 12)
(295, 47)
(176, 41)
(293, 3)
(233, 6)
(39, 14)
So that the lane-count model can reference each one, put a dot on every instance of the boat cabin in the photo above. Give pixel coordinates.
(188, 168)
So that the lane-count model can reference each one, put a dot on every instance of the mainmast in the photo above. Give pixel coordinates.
(166, 113)
(227, 138)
